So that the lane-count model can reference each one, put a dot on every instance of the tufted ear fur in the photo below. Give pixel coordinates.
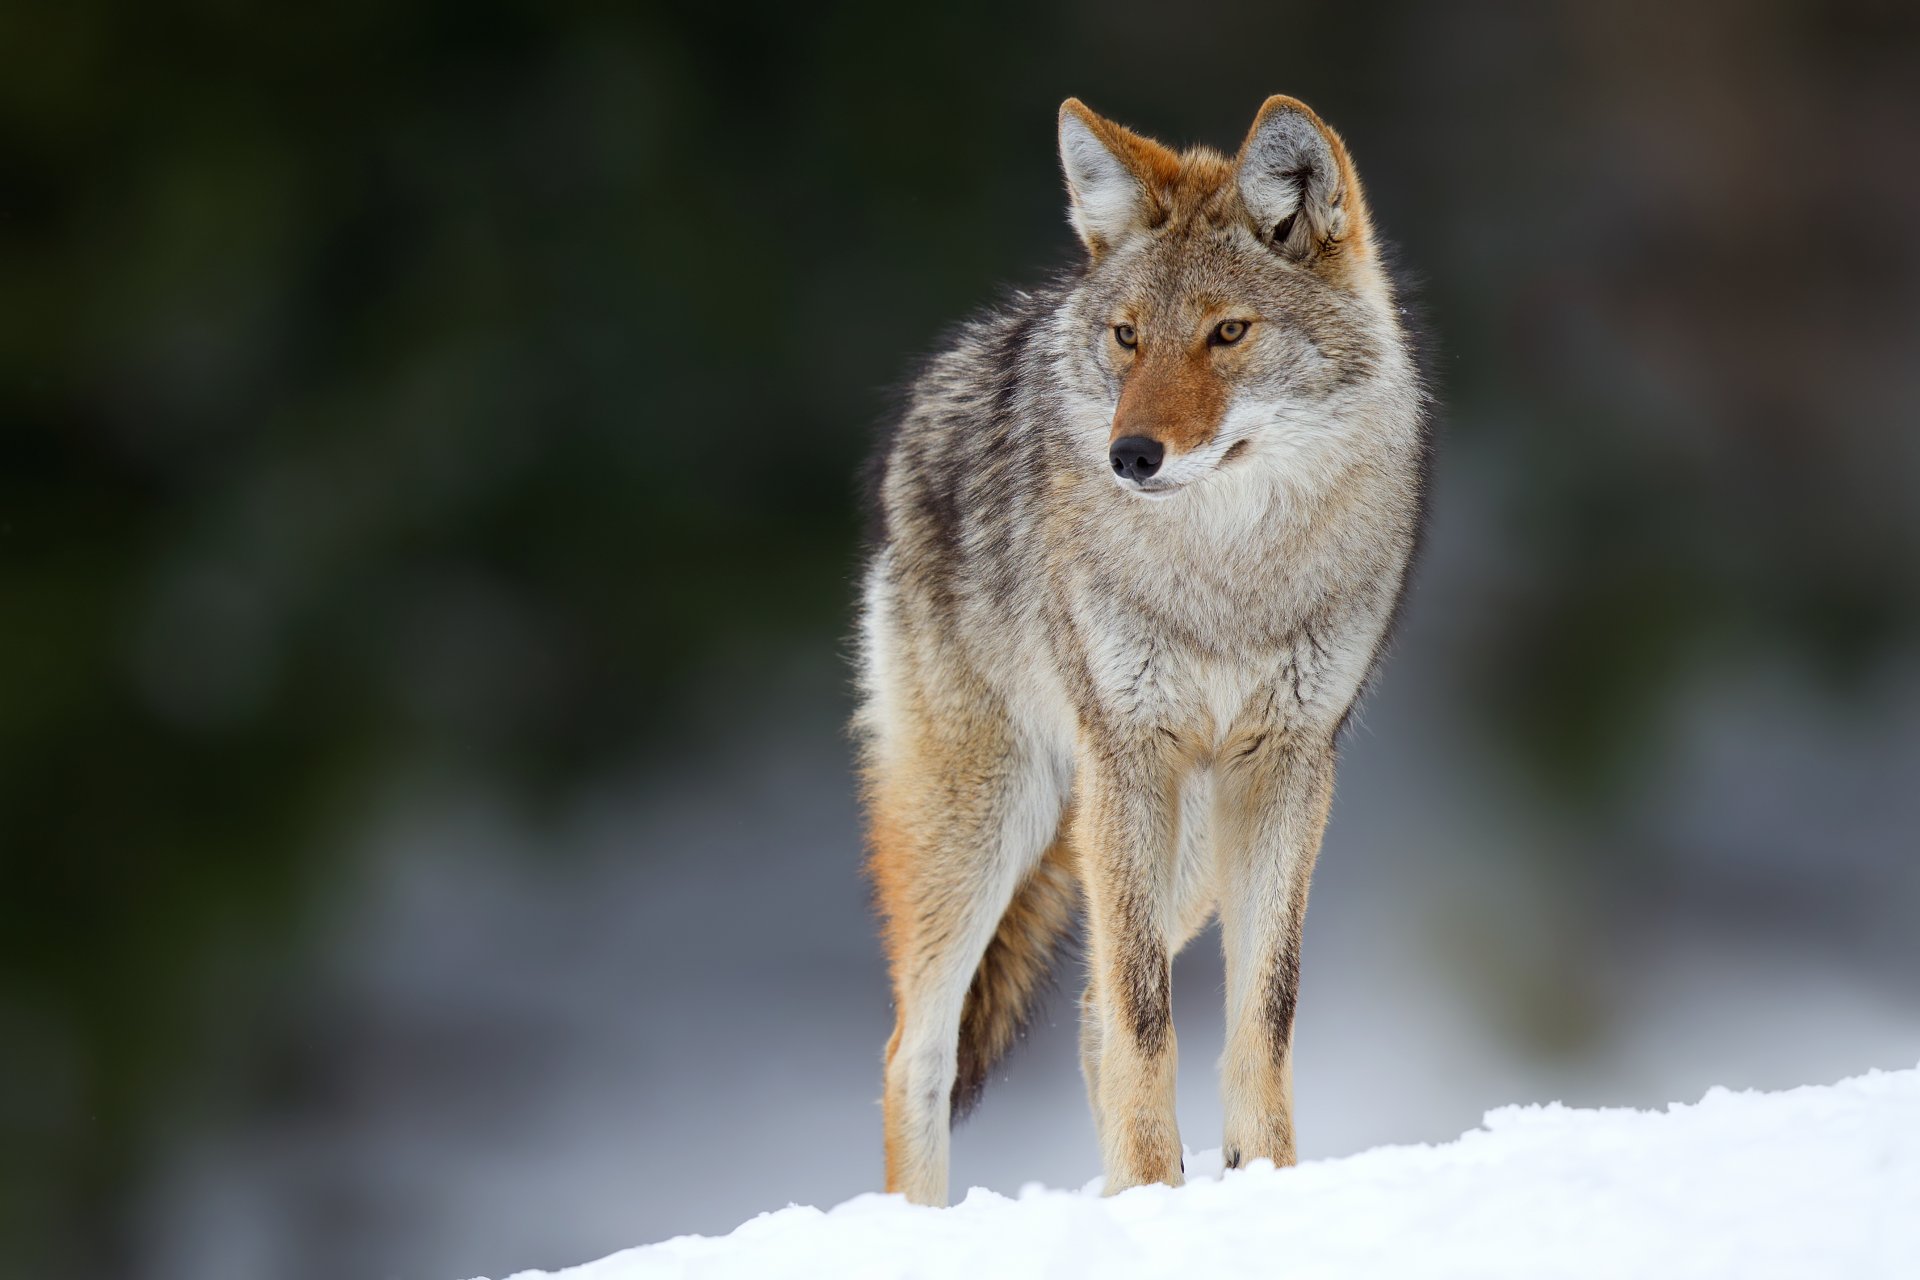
(1114, 177)
(1299, 187)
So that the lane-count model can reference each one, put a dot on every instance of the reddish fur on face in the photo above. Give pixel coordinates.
(1175, 397)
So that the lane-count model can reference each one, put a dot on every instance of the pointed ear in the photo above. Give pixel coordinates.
(1299, 186)
(1114, 177)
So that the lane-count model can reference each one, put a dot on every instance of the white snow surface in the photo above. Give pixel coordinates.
(1819, 1181)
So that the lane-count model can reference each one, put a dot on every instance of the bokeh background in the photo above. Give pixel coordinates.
(427, 539)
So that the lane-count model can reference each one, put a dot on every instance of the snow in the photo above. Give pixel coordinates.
(1815, 1181)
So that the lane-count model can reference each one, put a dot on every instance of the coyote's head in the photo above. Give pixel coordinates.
(1232, 308)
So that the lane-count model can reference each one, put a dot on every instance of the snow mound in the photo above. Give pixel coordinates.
(1821, 1181)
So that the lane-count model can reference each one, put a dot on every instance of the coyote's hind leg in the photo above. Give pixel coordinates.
(959, 817)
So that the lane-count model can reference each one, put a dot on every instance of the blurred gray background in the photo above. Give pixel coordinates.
(427, 540)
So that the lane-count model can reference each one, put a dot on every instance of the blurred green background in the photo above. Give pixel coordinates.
(412, 400)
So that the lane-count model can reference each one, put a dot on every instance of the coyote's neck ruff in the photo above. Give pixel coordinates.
(1144, 536)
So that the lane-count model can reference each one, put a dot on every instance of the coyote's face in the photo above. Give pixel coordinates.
(1233, 309)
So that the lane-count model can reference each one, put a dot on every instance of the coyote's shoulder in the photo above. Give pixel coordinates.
(1143, 533)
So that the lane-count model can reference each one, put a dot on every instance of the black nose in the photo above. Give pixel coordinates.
(1136, 457)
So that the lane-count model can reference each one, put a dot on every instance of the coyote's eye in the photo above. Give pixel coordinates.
(1228, 332)
(1124, 335)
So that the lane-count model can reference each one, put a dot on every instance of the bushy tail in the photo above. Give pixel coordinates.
(1015, 970)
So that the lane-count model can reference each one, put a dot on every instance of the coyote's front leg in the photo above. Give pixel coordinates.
(1125, 828)
(1275, 787)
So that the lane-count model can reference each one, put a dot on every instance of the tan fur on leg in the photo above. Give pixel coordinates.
(946, 862)
(1273, 803)
(1129, 811)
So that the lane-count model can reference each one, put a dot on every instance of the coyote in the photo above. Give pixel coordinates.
(1143, 534)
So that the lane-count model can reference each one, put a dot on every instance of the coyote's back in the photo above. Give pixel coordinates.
(1143, 534)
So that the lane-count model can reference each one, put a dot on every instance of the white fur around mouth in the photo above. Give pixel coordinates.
(1160, 494)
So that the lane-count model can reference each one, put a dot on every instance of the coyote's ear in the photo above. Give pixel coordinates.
(1114, 177)
(1298, 185)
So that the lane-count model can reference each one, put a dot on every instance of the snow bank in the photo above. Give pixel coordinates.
(1812, 1182)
